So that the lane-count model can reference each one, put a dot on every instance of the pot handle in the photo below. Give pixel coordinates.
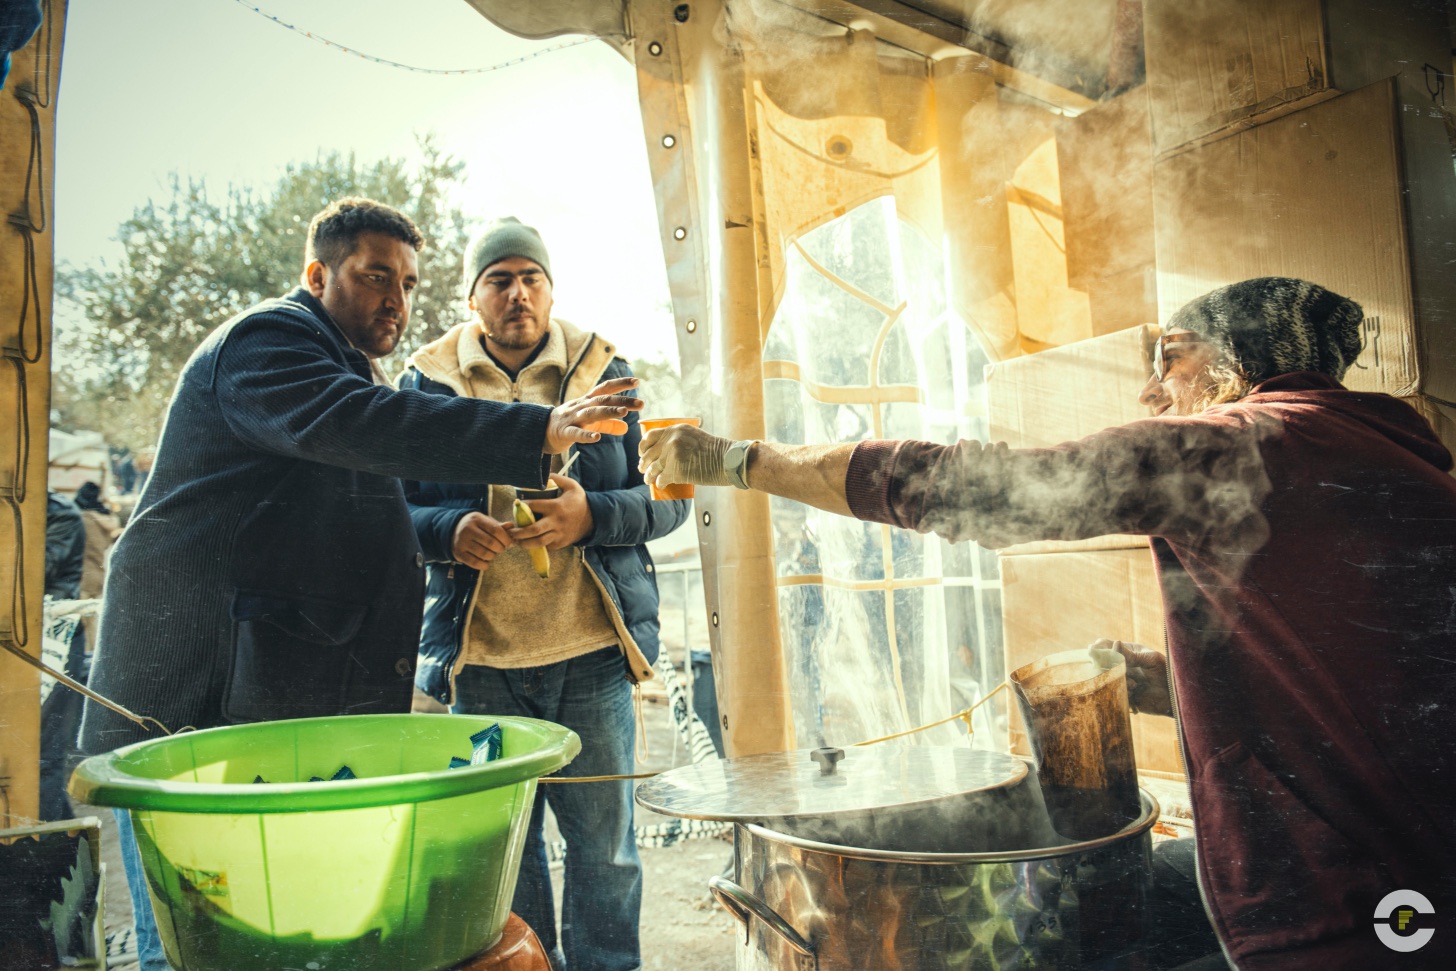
(743, 905)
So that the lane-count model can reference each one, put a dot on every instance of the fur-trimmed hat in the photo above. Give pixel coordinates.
(1275, 325)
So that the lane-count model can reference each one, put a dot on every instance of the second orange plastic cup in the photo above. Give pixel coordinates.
(678, 490)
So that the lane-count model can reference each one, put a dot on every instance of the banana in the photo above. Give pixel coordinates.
(540, 558)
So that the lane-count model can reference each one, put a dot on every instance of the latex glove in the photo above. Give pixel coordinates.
(1147, 675)
(479, 539)
(586, 419)
(682, 454)
(560, 522)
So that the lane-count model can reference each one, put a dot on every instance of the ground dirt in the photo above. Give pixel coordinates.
(683, 929)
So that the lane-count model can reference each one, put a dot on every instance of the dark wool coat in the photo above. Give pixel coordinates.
(65, 549)
(270, 569)
(1305, 538)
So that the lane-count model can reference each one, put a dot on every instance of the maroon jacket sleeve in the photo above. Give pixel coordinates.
(869, 485)
(1186, 479)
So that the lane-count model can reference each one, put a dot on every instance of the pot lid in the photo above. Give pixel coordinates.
(818, 782)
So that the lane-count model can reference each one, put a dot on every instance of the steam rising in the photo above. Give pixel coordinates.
(1199, 484)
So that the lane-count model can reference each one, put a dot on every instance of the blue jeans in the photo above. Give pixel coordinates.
(705, 698)
(602, 892)
(148, 944)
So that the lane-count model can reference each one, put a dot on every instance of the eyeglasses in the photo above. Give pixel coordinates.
(1158, 361)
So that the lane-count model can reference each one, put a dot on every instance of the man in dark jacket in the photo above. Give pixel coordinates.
(270, 569)
(501, 639)
(1305, 538)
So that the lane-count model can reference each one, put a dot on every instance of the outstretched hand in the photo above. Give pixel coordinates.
(586, 419)
(682, 454)
(1147, 676)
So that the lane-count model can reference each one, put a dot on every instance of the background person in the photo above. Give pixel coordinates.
(270, 569)
(102, 529)
(19, 20)
(498, 639)
(65, 553)
(1305, 538)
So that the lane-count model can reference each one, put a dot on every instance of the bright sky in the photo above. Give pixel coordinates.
(210, 89)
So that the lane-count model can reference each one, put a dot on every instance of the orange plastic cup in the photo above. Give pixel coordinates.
(678, 490)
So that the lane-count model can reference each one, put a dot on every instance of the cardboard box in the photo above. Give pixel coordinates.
(1069, 392)
(1125, 299)
(1105, 159)
(1317, 195)
(1215, 66)
(1066, 600)
(1214, 63)
(1066, 393)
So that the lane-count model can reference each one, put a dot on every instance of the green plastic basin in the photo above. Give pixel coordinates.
(409, 867)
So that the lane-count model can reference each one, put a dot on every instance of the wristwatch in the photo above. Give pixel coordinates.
(735, 462)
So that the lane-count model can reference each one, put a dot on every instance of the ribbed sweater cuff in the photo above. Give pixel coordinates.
(868, 483)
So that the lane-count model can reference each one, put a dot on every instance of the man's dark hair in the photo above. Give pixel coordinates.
(333, 233)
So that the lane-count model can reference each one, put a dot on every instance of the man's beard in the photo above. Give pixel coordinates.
(519, 341)
(1192, 400)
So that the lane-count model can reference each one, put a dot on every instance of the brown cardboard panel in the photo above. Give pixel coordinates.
(1316, 195)
(1115, 541)
(1066, 393)
(1064, 601)
(1124, 300)
(1211, 63)
(1069, 392)
(1105, 157)
(1372, 40)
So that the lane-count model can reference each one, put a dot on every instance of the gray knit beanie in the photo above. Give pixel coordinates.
(1275, 325)
(501, 239)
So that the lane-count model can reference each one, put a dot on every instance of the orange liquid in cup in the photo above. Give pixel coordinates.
(678, 490)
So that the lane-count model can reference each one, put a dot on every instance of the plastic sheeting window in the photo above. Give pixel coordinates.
(849, 265)
(882, 629)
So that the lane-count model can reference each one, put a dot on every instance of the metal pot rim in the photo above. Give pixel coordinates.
(1144, 822)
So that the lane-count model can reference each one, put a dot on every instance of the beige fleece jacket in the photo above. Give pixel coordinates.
(517, 619)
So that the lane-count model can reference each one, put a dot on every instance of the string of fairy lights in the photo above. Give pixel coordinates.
(343, 49)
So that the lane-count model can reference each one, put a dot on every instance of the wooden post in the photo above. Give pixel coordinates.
(27, 179)
(692, 89)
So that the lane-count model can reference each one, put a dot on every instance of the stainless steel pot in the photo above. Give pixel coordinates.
(811, 905)
(926, 799)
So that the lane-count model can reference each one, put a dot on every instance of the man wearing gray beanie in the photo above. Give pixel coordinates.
(502, 638)
(501, 239)
(1305, 540)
